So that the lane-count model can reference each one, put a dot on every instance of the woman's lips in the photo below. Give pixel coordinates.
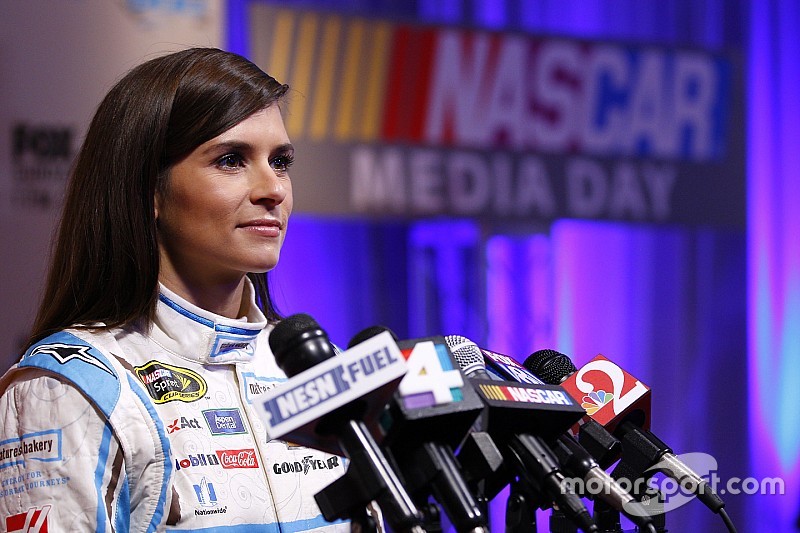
(266, 228)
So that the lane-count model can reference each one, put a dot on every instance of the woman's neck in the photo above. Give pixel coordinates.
(221, 299)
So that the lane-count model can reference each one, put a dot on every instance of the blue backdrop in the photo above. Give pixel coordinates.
(709, 318)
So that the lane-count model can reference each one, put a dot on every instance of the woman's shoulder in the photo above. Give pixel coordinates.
(77, 357)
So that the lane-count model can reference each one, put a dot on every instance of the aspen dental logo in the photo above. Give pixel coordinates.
(593, 401)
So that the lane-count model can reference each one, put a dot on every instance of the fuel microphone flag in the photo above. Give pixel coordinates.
(330, 384)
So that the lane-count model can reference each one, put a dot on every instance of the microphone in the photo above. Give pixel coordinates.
(575, 460)
(626, 413)
(472, 359)
(429, 415)
(368, 333)
(522, 418)
(330, 394)
(478, 359)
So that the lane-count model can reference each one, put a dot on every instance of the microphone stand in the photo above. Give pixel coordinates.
(521, 508)
(369, 477)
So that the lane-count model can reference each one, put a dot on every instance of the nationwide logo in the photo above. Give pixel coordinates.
(182, 423)
(308, 464)
(238, 458)
(206, 495)
(64, 353)
(167, 383)
(224, 421)
(200, 459)
(32, 521)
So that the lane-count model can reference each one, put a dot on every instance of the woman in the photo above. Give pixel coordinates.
(132, 407)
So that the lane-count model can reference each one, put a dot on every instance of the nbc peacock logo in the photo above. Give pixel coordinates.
(595, 400)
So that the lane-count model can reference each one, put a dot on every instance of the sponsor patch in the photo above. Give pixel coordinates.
(205, 493)
(32, 521)
(224, 421)
(308, 464)
(238, 458)
(200, 459)
(64, 353)
(229, 343)
(182, 423)
(44, 446)
(255, 386)
(167, 383)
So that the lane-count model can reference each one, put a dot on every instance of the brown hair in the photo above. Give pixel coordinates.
(105, 264)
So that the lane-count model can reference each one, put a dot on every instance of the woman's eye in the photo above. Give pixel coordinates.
(282, 162)
(230, 161)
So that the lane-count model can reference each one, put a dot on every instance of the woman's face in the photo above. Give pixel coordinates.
(225, 206)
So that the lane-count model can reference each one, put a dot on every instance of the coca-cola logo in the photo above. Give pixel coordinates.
(238, 458)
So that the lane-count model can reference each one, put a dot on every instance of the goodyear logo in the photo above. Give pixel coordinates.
(166, 383)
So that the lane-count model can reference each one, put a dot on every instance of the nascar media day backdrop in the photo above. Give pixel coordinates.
(419, 121)
(58, 59)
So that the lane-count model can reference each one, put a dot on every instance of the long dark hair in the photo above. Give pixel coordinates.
(105, 263)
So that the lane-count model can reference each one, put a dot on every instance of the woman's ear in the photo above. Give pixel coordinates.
(156, 198)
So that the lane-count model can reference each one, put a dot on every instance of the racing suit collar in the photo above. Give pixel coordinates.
(199, 335)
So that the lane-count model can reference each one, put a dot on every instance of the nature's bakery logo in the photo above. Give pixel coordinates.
(166, 383)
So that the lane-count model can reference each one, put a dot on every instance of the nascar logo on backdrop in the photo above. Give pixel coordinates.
(423, 121)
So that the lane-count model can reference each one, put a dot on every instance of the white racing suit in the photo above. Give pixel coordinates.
(128, 430)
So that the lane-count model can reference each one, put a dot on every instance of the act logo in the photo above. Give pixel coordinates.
(32, 521)
(182, 423)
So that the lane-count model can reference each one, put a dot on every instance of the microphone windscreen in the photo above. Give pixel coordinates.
(550, 366)
(287, 330)
(467, 354)
(298, 342)
(368, 333)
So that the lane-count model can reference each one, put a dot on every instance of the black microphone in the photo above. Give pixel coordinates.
(423, 427)
(575, 460)
(368, 333)
(641, 449)
(299, 344)
(522, 418)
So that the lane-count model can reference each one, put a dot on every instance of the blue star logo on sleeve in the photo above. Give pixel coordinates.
(75, 359)
(64, 353)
